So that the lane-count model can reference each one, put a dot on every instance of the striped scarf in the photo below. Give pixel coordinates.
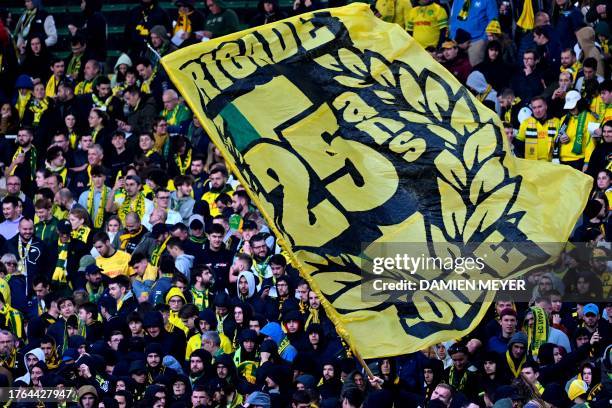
(97, 215)
(32, 151)
(157, 252)
(81, 233)
(8, 361)
(12, 320)
(60, 273)
(465, 11)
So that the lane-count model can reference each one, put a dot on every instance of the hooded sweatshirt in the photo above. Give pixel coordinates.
(184, 263)
(476, 81)
(41, 357)
(275, 332)
(250, 278)
(174, 320)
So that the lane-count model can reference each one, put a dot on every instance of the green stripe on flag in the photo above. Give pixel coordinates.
(240, 129)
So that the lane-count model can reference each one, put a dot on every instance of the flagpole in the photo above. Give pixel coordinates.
(362, 362)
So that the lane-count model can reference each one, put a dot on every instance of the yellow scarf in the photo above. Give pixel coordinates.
(137, 205)
(146, 84)
(32, 151)
(81, 233)
(527, 18)
(38, 108)
(51, 88)
(515, 370)
(22, 103)
(98, 215)
(125, 238)
(184, 22)
(60, 273)
(157, 252)
(183, 166)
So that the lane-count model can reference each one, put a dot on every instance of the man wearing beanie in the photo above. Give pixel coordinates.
(458, 376)
(516, 355)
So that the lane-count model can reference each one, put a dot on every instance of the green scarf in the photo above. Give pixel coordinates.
(577, 148)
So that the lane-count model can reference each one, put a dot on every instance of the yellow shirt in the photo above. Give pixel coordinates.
(115, 265)
(539, 137)
(394, 11)
(426, 22)
(588, 145)
(602, 111)
(195, 342)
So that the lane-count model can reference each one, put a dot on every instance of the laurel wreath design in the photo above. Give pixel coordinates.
(441, 127)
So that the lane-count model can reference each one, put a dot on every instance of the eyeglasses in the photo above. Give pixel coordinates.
(11, 263)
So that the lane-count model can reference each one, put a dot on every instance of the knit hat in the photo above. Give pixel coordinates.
(503, 403)
(259, 398)
(208, 316)
(576, 389)
(268, 346)
(24, 82)
(160, 30)
(307, 380)
(153, 319)
(137, 366)
(154, 348)
(507, 311)
(493, 28)
(518, 337)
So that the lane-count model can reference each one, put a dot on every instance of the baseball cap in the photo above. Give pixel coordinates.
(85, 262)
(93, 268)
(571, 99)
(590, 308)
(449, 44)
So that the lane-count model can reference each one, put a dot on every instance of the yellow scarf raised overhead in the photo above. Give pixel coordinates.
(38, 108)
(184, 22)
(22, 103)
(527, 18)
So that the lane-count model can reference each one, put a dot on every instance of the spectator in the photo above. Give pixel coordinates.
(473, 17)
(220, 21)
(454, 61)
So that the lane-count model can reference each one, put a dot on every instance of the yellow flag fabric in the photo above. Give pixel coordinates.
(347, 134)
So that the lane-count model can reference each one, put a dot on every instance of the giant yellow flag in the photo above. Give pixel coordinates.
(348, 135)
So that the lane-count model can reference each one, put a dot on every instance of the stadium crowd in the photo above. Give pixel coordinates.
(135, 269)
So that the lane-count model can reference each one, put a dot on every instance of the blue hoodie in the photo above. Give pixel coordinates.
(275, 332)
